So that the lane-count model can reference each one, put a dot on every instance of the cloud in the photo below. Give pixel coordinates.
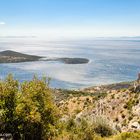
(2, 23)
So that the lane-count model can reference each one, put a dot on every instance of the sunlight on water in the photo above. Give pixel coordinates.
(110, 61)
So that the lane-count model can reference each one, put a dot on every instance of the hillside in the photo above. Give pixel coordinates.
(117, 103)
(32, 110)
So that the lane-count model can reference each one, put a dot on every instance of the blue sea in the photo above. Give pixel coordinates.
(111, 61)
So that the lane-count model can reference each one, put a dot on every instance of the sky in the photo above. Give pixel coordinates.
(70, 18)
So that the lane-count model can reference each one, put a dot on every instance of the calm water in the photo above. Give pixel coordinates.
(110, 61)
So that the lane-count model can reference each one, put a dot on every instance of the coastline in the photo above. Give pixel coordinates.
(9, 56)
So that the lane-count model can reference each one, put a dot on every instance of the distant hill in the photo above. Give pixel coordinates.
(66, 60)
(9, 56)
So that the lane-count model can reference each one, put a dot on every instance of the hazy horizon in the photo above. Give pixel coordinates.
(61, 19)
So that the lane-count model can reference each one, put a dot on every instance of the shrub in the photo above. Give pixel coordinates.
(127, 136)
(130, 104)
(28, 110)
(102, 127)
(80, 130)
(130, 118)
(103, 130)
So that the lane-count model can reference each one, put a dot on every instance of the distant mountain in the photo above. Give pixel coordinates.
(18, 37)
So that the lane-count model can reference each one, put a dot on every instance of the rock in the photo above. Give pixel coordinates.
(79, 115)
(65, 118)
(135, 125)
(138, 77)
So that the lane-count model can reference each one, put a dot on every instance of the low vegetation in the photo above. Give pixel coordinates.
(29, 111)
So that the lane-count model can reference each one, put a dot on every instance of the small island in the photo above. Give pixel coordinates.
(66, 60)
(9, 56)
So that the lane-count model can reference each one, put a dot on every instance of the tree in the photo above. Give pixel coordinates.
(27, 109)
(8, 101)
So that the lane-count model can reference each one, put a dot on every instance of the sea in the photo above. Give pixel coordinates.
(111, 61)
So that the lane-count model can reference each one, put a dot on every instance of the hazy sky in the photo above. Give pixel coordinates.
(70, 18)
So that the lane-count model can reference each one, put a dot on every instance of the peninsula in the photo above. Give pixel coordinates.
(9, 56)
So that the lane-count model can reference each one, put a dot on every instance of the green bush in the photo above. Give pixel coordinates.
(127, 136)
(85, 130)
(27, 110)
(102, 127)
